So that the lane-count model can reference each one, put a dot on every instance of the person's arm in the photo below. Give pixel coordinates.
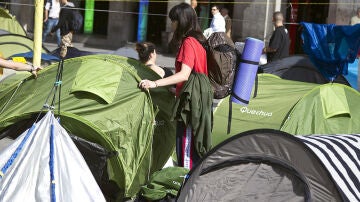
(274, 42)
(18, 66)
(181, 76)
(46, 15)
(46, 11)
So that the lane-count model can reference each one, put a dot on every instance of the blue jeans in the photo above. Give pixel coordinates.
(50, 23)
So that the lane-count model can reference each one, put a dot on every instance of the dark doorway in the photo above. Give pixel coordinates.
(157, 14)
(304, 11)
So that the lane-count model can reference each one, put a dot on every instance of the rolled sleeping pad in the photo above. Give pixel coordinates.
(245, 76)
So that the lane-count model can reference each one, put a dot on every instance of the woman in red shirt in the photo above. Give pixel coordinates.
(191, 56)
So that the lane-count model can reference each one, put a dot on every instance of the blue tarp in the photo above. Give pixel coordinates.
(352, 75)
(331, 47)
(44, 56)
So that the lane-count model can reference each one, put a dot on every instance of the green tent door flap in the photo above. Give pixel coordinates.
(327, 109)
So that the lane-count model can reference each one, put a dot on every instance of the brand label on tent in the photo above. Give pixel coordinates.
(255, 112)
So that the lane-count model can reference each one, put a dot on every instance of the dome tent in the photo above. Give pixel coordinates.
(11, 44)
(299, 68)
(281, 103)
(9, 23)
(100, 102)
(49, 152)
(270, 165)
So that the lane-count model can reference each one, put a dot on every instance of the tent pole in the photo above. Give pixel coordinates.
(39, 9)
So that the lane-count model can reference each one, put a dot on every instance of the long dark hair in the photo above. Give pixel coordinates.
(187, 25)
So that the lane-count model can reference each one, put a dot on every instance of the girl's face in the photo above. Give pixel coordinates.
(174, 25)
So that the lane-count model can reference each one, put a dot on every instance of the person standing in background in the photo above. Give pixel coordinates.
(193, 4)
(64, 24)
(279, 42)
(51, 19)
(218, 21)
(225, 13)
(356, 19)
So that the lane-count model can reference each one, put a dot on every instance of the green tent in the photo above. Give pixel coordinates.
(101, 102)
(326, 109)
(292, 106)
(11, 44)
(9, 23)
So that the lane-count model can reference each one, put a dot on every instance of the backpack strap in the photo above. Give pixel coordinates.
(230, 109)
(256, 85)
(229, 116)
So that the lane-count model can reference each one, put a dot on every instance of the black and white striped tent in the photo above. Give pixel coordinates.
(270, 165)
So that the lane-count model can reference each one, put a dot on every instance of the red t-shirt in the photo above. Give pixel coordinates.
(193, 54)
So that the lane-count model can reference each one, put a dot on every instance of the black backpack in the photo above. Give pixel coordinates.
(222, 63)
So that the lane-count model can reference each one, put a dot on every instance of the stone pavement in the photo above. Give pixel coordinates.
(128, 50)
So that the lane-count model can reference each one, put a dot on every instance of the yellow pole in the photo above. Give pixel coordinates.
(38, 27)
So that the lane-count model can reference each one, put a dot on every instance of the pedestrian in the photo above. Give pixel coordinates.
(51, 19)
(228, 22)
(19, 66)
(193, 4)
(193, 137)
(147, 55)
(279, 42)
(65, 26)
(217, 23)
(356, 19)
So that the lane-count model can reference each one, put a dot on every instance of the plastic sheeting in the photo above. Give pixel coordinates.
(28, 175)
(331, 47)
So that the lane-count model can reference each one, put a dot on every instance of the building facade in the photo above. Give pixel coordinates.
(114, 23)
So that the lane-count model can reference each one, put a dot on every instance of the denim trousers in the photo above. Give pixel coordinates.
(50, 23)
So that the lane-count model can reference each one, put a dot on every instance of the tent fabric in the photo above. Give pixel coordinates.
(297, 108)
(326, 109)
(340, 155)
(124, 125)
(163, 183)
(28, 178)
(9, 23)
(333, 101)
(331, 47)
(261, 165)
(11, 44)
(275, 98)
(163, 100)
(298, 68)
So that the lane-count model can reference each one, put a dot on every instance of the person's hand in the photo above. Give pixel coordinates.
(45, 19)
(34, 70)
(264, 50)
(146, 84)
